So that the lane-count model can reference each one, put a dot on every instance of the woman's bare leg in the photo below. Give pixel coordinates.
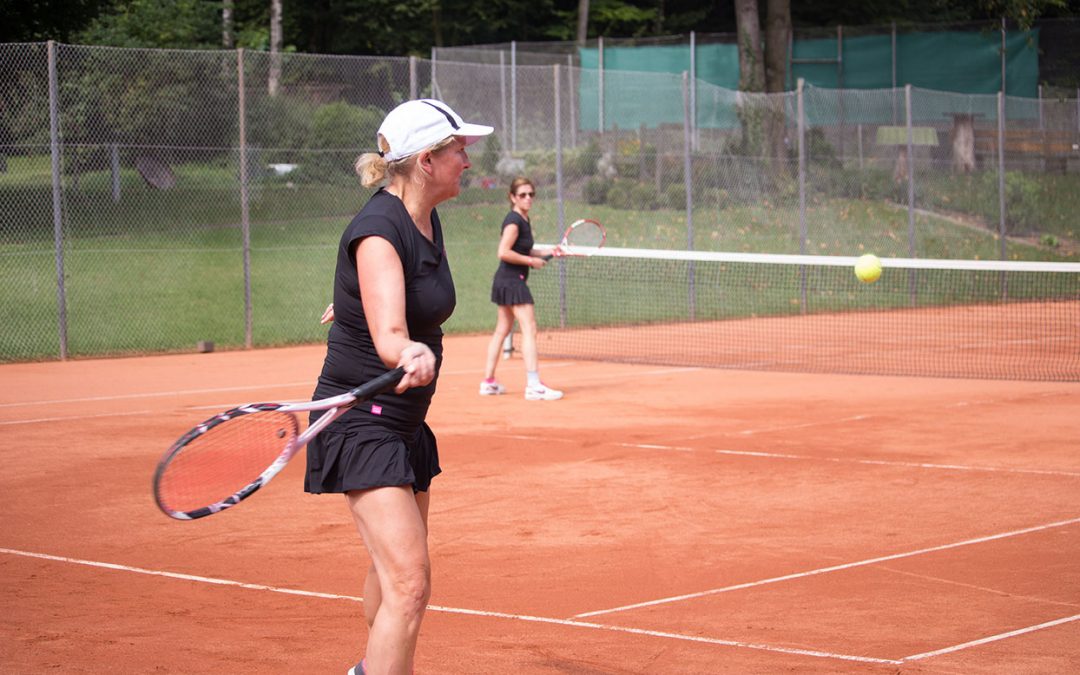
(504, 322)
(393, 525)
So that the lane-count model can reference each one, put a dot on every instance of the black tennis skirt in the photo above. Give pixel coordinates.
(511, 292)
(365, 457)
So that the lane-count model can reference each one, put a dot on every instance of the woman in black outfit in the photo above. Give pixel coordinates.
(392, 292)
(510, 293)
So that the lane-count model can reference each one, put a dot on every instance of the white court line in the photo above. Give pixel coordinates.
(993, 638)
(766, 430)
(40, 420)
(850, 460)
(778, 455)
(156, 394)
(457, 610)
(833, 568)
(282, 385)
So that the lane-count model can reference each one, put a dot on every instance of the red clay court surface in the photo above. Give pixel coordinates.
(656, 520)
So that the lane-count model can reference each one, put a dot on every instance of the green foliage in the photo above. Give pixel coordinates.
(489, 157)
(175, 24)
(581, 161)
(338, 124)
(595, 190)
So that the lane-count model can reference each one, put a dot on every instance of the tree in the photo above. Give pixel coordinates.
(227, 24)
(582, 21)
(275, 46)
(763, 69)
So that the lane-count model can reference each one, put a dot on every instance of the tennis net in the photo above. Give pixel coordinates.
(942, 318)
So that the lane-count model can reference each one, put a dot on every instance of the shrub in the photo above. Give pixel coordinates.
(595, 190)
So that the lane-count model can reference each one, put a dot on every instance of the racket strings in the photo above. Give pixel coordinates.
(586, 234)
(216, 464)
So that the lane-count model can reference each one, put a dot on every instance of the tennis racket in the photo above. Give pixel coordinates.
(227, 458)
(584, 237)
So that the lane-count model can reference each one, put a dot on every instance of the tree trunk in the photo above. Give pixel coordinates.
(436, 23)
(751, 77)
(227, 24)
(751, 64)
(275, 47)
(777, 39)
(582, 21)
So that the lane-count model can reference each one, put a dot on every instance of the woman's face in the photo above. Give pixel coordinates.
(522, 197)
(447, 165)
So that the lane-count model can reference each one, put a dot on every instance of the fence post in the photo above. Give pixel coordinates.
(559, 194)
(1001, 170)
(114, 170)
(503, 103)
(571, 105)
(58, 218)
(558, 147)
(912, 281)
(693, 90)
(800, 112)
(688, 184)
(600, 83)
(245, 215)
(1001, 186)
(513, 96)
(412, 78)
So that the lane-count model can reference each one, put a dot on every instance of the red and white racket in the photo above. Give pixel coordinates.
(230, 456)
(584, 237)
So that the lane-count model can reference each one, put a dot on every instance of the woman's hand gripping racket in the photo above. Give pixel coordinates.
(584, 237)
(230, 456)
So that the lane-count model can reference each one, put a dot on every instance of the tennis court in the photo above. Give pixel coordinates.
(658, 520)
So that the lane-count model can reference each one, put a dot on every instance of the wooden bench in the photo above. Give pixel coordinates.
(1053, 145)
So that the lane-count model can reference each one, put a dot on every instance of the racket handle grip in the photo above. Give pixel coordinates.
(380, 384)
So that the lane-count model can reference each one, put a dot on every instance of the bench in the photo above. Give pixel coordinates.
(1053, 145)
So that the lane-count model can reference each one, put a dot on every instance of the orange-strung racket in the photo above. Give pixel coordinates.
(584, 237)
(227, 458)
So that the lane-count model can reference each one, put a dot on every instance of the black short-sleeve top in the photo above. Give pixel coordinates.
(351, 358)
(523, 245)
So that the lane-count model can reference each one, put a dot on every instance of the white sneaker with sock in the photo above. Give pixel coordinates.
(491, 388)
(541, 392)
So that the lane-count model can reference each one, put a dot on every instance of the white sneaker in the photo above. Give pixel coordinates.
(491, 389)
(542, 392)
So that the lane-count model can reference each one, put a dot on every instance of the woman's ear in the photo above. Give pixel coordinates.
(423, 160)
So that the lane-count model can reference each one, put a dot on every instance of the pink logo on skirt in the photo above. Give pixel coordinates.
(376, 410)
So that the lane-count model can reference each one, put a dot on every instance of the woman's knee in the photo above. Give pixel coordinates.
(412, 588)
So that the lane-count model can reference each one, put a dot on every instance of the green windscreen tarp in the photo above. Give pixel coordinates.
(642, 85)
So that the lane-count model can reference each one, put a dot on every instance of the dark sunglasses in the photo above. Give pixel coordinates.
(521, 195)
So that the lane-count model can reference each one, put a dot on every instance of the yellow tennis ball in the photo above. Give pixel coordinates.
(868, 268)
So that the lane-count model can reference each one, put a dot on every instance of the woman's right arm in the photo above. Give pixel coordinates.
(382, 291)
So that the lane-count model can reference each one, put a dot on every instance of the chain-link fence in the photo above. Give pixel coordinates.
(151, 199)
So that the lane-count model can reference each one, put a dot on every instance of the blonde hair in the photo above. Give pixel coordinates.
(374, 170)
(518, 182)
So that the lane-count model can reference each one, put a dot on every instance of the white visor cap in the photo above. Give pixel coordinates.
(416, 125)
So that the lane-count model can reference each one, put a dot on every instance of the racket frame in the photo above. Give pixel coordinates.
(565, 249)
(335, 407)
